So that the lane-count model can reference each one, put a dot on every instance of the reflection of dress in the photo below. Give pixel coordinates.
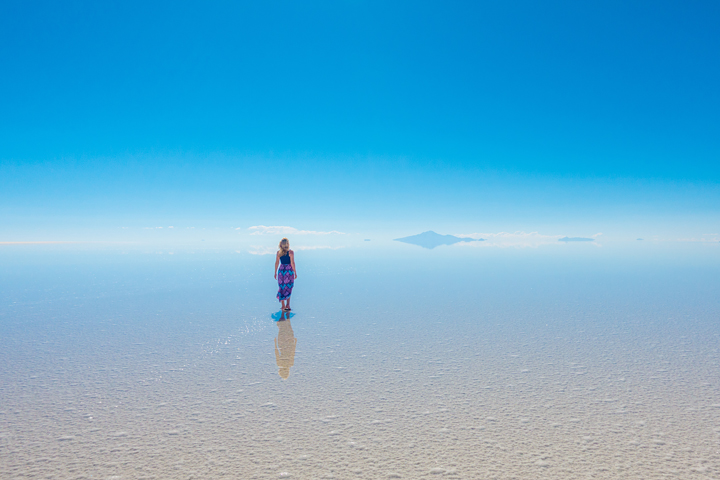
(285, 348)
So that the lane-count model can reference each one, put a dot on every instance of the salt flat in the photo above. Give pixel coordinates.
(461, 368)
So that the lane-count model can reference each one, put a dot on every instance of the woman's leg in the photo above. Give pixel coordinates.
(287, 304)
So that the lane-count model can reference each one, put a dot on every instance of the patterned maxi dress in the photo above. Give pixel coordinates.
(286, 278)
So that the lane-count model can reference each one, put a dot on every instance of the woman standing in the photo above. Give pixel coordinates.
(286, 274)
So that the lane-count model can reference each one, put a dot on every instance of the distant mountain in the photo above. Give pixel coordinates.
(431, 239)
(576, 239)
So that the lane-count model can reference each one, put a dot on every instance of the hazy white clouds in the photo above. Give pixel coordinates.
(261, 250)
(703, 239)
(37, 243)
(512, 239)
(284, 230)
(264, 250)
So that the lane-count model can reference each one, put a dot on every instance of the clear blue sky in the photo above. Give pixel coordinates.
(463, 115)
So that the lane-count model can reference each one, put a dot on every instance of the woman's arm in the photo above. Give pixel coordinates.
(292, 262)
(277, 260)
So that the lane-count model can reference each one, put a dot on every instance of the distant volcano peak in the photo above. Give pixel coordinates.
(431, 239)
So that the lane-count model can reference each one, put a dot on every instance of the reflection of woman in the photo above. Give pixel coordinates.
(285, 347)
(286, 274)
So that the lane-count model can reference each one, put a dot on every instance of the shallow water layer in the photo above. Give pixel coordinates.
(417, 366)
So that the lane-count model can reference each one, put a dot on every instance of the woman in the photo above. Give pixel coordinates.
(286, 275)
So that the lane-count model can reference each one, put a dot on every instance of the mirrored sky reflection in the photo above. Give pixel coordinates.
(398, 362)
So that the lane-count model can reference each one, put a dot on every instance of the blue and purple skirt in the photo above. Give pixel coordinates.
(286, 280)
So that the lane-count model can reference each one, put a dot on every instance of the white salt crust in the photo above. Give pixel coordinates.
(430, 408)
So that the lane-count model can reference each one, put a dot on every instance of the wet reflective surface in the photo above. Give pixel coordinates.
(399, 364)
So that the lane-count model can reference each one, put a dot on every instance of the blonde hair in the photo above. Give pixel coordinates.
(283, 247)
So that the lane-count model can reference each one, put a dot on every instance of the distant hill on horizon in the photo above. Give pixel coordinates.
(431, 239)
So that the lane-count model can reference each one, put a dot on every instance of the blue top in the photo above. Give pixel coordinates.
(285, 259)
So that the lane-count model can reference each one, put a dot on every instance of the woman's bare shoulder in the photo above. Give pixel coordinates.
(291, 252)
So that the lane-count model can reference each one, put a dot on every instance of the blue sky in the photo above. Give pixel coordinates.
(572, 117)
